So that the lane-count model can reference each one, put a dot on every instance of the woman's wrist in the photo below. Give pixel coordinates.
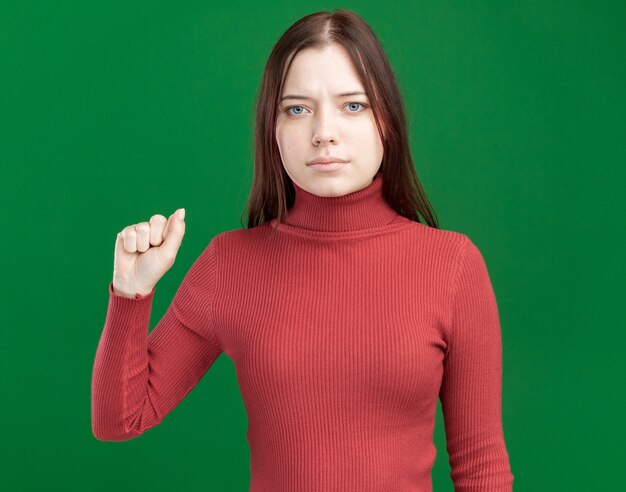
(119, 288)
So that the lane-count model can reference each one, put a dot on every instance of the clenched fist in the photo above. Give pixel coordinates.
(145, 251)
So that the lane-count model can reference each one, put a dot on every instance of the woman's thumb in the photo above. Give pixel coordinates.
(119, 245)
(173, 234)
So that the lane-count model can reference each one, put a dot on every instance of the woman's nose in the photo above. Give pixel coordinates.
(325, 128)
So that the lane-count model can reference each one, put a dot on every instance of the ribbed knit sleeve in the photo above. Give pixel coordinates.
(471, 389)
(139, 378)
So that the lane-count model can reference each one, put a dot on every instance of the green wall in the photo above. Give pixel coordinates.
(113, 111)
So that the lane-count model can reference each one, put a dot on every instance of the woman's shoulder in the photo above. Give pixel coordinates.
(456, 246)
(441, 239)
(240, 239)
(243, 234)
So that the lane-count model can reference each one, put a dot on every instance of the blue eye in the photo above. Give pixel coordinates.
(291, 107)
(356, 103)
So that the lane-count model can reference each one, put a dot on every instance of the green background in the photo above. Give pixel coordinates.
(114, 111)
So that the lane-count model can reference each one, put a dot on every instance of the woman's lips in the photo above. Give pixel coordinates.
(331, 166)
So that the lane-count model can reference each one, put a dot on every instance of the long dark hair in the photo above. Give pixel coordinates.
(272, 192)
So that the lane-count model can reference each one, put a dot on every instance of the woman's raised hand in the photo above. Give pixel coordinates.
(145, 251)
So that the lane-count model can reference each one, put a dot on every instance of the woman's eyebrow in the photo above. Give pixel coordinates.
(343, 94)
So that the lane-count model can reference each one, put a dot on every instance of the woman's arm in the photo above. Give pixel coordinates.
(471, 390)
(139, 378)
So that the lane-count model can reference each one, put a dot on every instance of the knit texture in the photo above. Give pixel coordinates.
(345, 327)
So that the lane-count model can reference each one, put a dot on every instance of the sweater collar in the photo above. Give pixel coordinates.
(362, 209)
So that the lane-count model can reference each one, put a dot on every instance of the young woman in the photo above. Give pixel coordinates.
(346, 317)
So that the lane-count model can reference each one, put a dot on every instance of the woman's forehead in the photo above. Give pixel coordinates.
(321, 73)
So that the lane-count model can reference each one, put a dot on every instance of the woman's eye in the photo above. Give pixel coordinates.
(361, 104)
(292, 107)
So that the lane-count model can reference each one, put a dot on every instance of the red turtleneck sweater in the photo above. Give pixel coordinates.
(345, 327)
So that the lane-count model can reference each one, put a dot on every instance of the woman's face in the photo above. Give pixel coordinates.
(315, 120)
